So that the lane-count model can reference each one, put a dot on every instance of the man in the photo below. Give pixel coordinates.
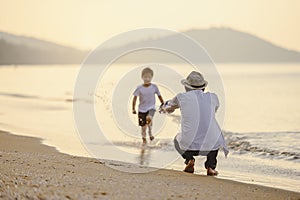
(200, 133)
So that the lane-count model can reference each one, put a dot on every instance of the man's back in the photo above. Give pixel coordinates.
(199, 128)
(200, 133)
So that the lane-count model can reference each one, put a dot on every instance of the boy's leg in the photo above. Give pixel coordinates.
(144, 128)
(143, 124)
(150, 122)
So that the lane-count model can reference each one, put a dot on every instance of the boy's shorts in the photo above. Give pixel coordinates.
(143, 117)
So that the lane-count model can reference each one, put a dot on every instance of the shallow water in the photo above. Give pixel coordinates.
(262, 118)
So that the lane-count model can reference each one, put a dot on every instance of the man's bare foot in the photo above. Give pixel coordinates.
(212, 172)
(151, 137)
(189, 168)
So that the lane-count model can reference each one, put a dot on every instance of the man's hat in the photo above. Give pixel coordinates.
(194, 81)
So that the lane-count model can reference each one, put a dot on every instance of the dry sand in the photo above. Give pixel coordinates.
(31, 170)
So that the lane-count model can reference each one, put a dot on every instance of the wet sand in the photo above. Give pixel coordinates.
(31, 170)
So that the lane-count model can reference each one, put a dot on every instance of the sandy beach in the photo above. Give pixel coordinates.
(110, 99)
(31, 170)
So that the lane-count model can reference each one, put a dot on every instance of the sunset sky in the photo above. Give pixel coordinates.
(87, 23)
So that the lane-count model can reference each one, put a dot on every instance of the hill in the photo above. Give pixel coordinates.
(222, 44)
(26, 50)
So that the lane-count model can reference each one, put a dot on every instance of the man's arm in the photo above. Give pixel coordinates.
(133, 104)
(172, 108)
(171, 105)
(174, 103)
(216, 102)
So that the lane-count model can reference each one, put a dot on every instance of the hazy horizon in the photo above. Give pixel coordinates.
(86, 24)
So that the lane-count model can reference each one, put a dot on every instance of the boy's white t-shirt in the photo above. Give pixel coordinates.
(146, 97)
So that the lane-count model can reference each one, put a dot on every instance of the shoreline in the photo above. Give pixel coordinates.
(30, 169)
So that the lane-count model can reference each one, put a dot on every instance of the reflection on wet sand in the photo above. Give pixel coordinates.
(144, 155)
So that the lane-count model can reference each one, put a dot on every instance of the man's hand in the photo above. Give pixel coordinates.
(133, 111)
(167, 107)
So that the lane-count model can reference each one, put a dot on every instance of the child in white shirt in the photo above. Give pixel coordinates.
(146, 93)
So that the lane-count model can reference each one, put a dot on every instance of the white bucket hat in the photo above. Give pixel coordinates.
(194, 81)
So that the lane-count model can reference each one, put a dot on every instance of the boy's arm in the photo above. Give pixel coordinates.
(161, 99)
(133, 104)
(159, 95)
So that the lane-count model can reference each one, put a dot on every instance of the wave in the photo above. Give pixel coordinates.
(240, 143)
(17, 95)
(50, 99)
(265, 144)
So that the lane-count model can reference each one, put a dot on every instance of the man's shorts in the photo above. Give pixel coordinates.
(143, 117)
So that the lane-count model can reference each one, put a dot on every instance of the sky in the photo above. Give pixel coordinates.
(86, 24)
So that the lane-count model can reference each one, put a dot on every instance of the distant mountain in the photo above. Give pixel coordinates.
(222, 44)
(228, 45)
(26, 50)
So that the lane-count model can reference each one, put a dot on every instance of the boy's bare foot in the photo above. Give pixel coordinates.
(189, 168)
(151, 137)
(212, 172)
(144, 141)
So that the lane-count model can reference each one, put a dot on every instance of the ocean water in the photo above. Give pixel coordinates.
(260, 116)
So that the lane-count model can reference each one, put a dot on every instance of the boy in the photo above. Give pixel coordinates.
(146, 93)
